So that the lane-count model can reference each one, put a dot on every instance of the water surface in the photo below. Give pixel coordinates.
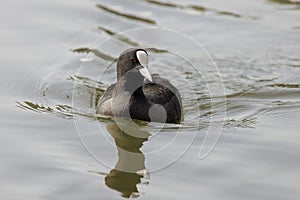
(53, 55)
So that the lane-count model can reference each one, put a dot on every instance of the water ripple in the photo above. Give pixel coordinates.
(126, 15)
(197, 8)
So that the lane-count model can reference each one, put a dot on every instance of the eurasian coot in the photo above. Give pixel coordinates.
(138, 94)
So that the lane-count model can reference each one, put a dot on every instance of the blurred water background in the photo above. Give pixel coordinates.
(51, 61)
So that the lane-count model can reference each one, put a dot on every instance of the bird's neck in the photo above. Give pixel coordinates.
(132, 84)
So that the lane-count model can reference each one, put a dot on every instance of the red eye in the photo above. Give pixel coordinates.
(133, 60)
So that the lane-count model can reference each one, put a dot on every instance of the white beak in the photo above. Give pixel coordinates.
(143, 60)
(145, 72)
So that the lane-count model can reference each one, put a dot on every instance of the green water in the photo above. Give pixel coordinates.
(240, 87)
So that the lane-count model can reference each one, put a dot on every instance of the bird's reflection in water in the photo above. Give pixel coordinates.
(130, 168)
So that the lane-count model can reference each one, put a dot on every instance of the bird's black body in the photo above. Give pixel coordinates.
(135, 97)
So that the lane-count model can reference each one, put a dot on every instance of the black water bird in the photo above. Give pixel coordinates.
(139, 95)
